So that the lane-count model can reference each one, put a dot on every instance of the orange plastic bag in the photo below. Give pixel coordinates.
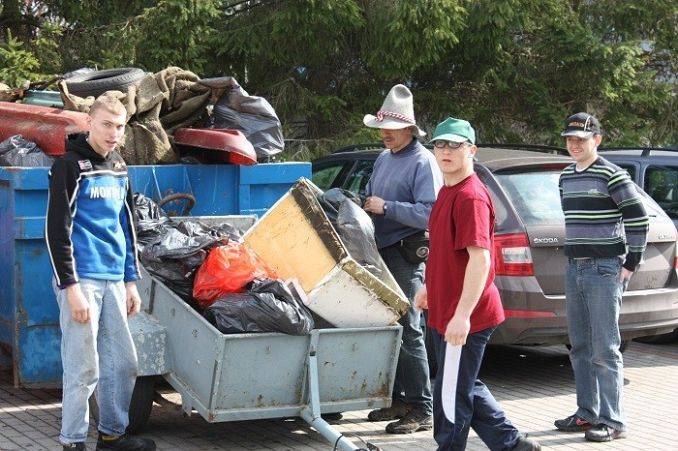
(228, 269)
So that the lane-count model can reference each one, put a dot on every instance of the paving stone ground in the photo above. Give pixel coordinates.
(534, 385)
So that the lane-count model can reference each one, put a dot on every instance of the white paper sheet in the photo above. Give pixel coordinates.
(450, 373)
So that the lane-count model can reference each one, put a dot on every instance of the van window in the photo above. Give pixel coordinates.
(324, 177)
(661, 183)
(534, 195)
(631, 169)
(357, 181)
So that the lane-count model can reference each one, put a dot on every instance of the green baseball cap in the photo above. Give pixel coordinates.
(454, 130)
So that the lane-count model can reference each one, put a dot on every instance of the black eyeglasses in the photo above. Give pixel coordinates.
(441, 144)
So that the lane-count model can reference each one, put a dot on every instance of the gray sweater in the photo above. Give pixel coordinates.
(604, 213)
(409, 181)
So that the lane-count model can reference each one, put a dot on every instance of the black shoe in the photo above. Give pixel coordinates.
(415, 420)
(526, 444)
(75, 447)
(332, 416)
(397, 410)
(573, 423)
(124, 443)
(603, 433)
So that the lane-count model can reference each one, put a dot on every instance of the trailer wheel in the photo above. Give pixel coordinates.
(139, 408)
(142, 403)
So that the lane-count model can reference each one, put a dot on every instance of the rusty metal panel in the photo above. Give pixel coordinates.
(48, 127)
(236, 149)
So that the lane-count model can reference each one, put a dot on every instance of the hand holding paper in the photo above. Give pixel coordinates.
(457, 330)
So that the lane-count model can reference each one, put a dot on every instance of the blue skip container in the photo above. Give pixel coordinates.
(29, 315)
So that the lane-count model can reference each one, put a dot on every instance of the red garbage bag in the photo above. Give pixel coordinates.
(227, 269)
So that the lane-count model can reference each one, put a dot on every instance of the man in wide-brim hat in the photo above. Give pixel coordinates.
(400, 193)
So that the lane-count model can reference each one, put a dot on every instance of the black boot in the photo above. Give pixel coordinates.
(75, 447)
(414, 421)
(124, 443)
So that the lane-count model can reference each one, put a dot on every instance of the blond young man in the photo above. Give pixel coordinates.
(92, 247)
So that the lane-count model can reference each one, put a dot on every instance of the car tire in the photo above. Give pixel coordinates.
(98, 82)
(660, 339)
(622, 348)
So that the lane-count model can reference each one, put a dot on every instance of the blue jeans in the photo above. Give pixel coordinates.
(412, 384)
(594, 296)
(99, 354)
(475, 407)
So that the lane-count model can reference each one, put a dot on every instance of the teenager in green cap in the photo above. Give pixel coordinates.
(463, 302)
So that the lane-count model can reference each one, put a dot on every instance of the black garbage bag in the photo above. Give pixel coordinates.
(354, 226)
(173, 250)
(147, 216)
(267, 306)
(145, 208)
(17, 151)
(253, 116)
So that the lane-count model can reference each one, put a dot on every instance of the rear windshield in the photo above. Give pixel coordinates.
(536, 198)
(534, 195)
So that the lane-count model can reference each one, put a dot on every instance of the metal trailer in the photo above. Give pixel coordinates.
(222, 377)
(29, 315)
(258, 376)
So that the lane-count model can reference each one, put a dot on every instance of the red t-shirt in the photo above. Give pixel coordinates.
(462, 216)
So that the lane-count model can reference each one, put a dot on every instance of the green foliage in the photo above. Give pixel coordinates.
(46, 49)
(514, 68)
(17, 65)
(176, 33)
(404, 36)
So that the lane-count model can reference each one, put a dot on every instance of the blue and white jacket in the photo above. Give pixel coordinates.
(90, 227)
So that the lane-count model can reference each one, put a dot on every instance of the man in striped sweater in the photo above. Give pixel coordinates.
(606, 231)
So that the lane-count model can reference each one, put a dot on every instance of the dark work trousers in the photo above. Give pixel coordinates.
(475, 406)
(412, 384)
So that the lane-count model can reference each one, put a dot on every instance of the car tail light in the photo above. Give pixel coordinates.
(528, 314)
(675, 263)
(512, 256)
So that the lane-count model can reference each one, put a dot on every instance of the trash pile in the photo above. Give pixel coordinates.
(267, 306)
(172, 249)
(209, 268)
(228, 269)
(160, 104)
(172, 114)
(309, 260)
